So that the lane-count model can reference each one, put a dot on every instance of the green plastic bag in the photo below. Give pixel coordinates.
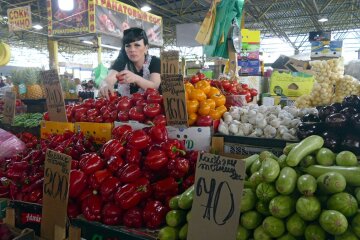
(100, 73)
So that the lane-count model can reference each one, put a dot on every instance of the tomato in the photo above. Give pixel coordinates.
(197, 94)
(226, 85)
(194, 79)
(192, 106)
(219, 99)
(203, 85)
(244, 86)
(201, 75)
(253, 92)
(244, 92)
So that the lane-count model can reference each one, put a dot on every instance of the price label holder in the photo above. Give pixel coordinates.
(47, 128)
(55, 195)
(219, 183)
(173, 91)
(169, 62)
(9, 107)
(101, 132)
(54, 95)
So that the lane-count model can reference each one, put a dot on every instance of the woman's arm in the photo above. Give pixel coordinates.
(127, 77)
(108, 84)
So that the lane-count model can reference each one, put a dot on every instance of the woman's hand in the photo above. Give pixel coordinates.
(126, 77)
(105, 88)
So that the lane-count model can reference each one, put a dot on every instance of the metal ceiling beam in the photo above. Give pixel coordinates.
(308, 9)
(325, 6)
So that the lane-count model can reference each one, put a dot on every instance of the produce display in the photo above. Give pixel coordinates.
(331, 85)
(309, 192)
(338, 124)
(263, 121)
(20, 107)
(29, 78)
(27, 120)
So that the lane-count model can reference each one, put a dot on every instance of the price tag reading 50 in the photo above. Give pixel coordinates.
(218, 189)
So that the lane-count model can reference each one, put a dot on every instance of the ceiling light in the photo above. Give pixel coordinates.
(323, 19)
(66, 5)
(145, 8)
(87, 42)
(38, 27)
(109, 46)
(197, 62)
(5, 17)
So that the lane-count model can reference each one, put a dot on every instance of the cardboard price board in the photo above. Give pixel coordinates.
(169, 62)
(173, 92)
(48, 128)
(54, 95)
(219, 183)
(55, 195)
(9, 107)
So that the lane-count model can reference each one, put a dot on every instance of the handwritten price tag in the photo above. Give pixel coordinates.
(169, 62)
(9, 107)
(55, 193)
(54, 96)
(219, 182)
(173, 91)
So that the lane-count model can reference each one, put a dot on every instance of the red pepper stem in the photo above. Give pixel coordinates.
(175, 149)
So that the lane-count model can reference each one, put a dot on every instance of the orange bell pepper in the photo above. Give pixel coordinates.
(215, 114)
(213, 91)
(204, 108)
(211, 103)
(222, 109)
(192, 117)
(188, 87)
(192, 106)
(219, 99)
(197, 94)
(204, 86)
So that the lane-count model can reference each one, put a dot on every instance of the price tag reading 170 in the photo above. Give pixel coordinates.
(218, 189)
(55, 192)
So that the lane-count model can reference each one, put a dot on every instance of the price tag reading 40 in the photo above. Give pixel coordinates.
(173, 92)
(55, 193)
(9, 107)
(54, 95)
(219, 183)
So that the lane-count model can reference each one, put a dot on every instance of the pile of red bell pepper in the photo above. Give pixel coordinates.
(131, 179)
(22, 176)
(146, 108)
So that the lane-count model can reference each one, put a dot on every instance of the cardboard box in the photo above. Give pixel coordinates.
(328, 49)
(291, 84)
(250, 36)
(249, 67)
(288, 64)
(279, 100)
(253, 82)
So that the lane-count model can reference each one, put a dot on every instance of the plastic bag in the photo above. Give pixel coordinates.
(100, 73)
(10, 145)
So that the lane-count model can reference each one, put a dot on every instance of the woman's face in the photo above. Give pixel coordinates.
(136, 51)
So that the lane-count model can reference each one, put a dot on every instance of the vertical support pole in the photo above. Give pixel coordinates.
(99, 49)
(53, 48)
(242, 25)
(183, 66)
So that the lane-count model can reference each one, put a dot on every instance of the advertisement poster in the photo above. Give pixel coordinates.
(19, 18)
(113, 17)
(71, 22)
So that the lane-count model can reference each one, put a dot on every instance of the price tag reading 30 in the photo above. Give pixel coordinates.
(55, 192)
(219, 183)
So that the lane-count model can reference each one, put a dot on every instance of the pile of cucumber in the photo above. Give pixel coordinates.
(27, 120)
(309, 193)
(178, 217)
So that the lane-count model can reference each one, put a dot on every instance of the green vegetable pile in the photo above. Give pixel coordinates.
(27, 120)
(307, 193)
(178, 217)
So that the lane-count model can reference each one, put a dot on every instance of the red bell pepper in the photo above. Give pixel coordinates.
(122, 116)
(128, 196)
(118, 131)
(124, 104)
(77, 183)
(158, 134)
(159, 120)
(139, 139)
(133, 156)
(133, 218)
(115, 163)
(90, 163)
(111, 214)
(156, 160)
(192, 156)
(141, 103)
(35, 195)
(112, 147)
(136, 97)
(144, 187)
(204, 121)
(154, 214)
(152, 109)
(150, 91)
(173, 148)
(74, 164)
(178, 167)
(109, 187)
(95, 179)
(91, 208)
(129, 173)
(154, 98)
(188, 182)
(73, 210)
(136, 113)
(165, 188)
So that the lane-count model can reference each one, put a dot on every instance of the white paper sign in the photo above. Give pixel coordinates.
(196, 138)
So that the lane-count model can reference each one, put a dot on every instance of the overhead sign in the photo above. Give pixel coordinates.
(169, 62)
(173, 91)
(55, 194)
(54, 95)
(9, 107)
(19, 18)
(219, 183)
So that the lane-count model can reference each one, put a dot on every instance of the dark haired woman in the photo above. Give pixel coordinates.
(134, 69)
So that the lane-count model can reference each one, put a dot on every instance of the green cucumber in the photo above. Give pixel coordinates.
(288, 148)
(168, 233)
(266, 154)
(351, 174)
(188, 216)
(304, 148)
(186, 198)
(175, 218)
(250, 160)
(174, 202)
(255, 166)
(183, 232)
(286, 182)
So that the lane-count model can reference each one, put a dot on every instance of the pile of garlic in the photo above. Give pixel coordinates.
(263, 121)
(331, 85)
